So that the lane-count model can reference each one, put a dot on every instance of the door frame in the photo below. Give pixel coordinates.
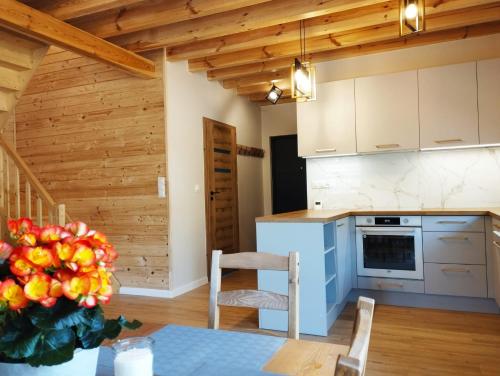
(208, 152)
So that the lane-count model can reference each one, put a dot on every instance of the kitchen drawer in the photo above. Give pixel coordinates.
(455, 279)
(390, 284)
(453, 223)
(455, 247)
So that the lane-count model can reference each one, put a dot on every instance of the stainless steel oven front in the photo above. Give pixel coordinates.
(389, 247)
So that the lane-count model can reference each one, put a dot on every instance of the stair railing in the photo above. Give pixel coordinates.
(22, 194)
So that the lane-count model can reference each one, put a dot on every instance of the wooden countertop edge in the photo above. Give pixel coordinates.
(315, 216)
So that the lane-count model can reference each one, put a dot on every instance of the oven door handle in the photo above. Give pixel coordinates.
(388, 231)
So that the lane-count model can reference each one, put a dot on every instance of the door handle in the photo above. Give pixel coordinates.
(387, 146)
(452, 140)
(455, 270)
(214, 192)
(389, 285)
(464, 238)
(452, 222)
(332, 150)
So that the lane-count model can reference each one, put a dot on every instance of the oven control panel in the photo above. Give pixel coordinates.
(388, 221)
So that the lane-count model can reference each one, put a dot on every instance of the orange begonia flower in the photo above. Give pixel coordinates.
(21, 267)
(64, 251)
(5, 251)
(77, 228)
(39, 256)
(49, 234)
(13, 294)
(38, 287)
(89, 301)
(28, 239)
(76, 287)
(84, 255)
(19, 226)
(56, 290)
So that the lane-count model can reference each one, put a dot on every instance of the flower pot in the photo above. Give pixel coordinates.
(84, 363)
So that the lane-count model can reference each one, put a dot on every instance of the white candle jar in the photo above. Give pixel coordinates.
(134, 356)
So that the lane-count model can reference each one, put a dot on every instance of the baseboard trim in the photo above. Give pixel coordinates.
(165, 294)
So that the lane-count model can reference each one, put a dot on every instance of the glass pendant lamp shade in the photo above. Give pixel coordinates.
(411, 16)
(303, 79)
(303, 73)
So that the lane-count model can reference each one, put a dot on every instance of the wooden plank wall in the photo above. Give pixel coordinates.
(95, 137)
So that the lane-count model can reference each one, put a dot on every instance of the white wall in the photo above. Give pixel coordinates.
(276, 120)
(190, 97)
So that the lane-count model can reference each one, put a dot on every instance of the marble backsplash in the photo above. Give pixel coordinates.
(412, 180)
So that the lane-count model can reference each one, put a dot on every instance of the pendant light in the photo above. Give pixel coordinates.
(274, 94)
(303, 73)
(411, 16)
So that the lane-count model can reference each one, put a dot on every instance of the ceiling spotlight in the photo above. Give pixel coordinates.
(411, 16)
(274, 94)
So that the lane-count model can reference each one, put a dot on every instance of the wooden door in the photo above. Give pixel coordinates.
(221, 188)
(448, 106)
(387, 112)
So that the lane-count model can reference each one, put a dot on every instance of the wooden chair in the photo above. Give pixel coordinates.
(354, 364)
(256, 298)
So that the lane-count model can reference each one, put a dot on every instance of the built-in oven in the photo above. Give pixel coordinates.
(389, 247)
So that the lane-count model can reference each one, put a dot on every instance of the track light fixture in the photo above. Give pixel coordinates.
(274, 94)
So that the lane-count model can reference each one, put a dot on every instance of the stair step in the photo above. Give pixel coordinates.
(15, 53)
(11, 79)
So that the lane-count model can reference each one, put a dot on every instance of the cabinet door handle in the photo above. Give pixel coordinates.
(331, 150)
(389, 285)
(340, 224)
(452, 222)
(455, 270)
(450, 141)
(464, 238)
(496, 244)
(387, 146)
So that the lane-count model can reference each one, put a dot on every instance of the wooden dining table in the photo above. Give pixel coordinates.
(188, 351)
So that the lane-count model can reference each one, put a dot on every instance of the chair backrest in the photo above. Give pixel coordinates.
(354, 364)
(256, 298)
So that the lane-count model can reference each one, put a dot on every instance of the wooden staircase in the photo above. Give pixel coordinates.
(21, 193)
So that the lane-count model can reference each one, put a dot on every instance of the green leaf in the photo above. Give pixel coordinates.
(54, 347)
(23, 346)
(129, 325)
(63, 315)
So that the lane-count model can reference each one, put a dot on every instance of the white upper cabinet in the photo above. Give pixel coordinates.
(326, 126)
(387, 112)
(488, 83)
(448, 106)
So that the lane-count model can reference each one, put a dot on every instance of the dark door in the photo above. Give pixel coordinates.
(288, 175)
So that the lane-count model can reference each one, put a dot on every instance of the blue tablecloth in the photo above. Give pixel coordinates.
(186, 351)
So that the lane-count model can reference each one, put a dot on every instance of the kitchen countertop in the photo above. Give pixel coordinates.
(323, 216)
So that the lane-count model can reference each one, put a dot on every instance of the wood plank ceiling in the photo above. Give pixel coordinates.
(247, 44)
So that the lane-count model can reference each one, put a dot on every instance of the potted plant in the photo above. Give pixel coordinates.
(52, 282)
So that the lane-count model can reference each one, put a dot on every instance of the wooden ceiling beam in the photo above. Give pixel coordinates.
(69, 9)
(40, 26)
(328, 41)
(156, 13)
(242, 71)
(259, 78)
(245, 19)
(332, 23)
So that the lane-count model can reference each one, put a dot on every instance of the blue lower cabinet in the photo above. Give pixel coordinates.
(321, 298)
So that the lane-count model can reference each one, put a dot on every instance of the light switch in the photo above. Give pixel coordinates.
(161, 187)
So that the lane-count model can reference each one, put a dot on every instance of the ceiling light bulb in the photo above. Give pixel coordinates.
(411, 11)
(272, 96)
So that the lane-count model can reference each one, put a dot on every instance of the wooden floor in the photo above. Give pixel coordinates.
(405, 341)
